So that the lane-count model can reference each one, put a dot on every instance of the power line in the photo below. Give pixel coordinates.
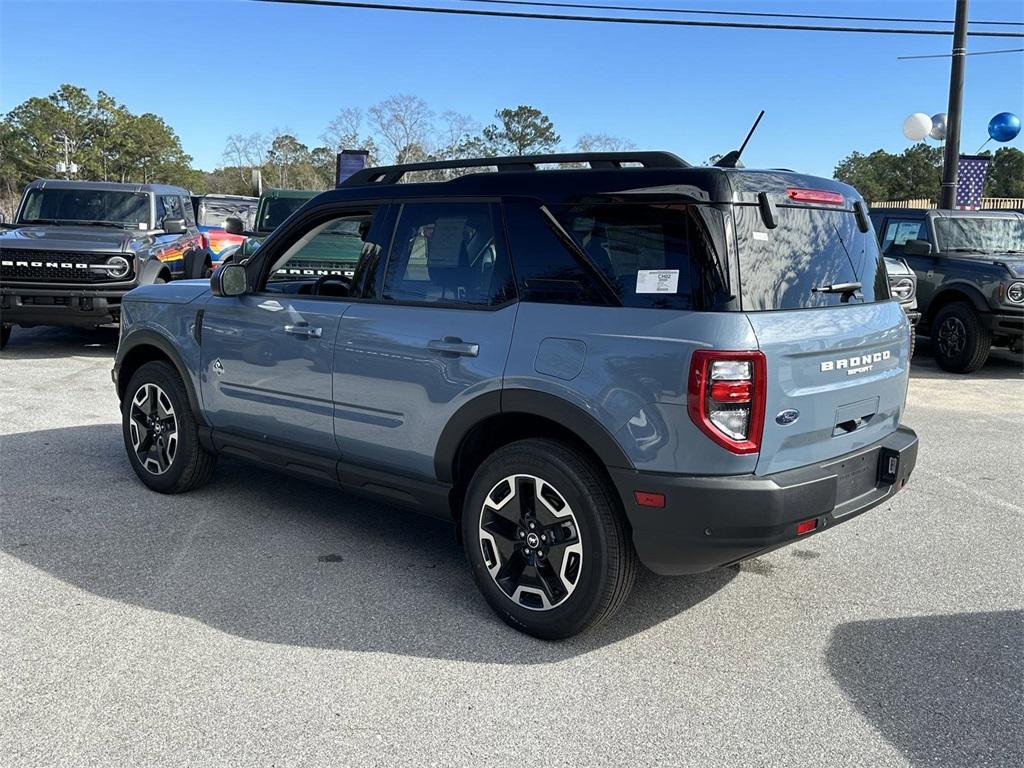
(969, 53)
(702, 12)
(622, 19)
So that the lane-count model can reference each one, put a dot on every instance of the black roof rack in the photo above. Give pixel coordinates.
(391, 174)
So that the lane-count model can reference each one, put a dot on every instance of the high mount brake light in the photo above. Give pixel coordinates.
(815, 196)
(726, 397)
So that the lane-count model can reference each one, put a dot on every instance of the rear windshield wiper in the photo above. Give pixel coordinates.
(844, 288)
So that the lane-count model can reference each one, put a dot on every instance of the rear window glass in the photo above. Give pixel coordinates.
(811, 248)
(664, 256)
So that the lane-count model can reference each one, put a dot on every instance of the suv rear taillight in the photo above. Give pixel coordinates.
(726, 397)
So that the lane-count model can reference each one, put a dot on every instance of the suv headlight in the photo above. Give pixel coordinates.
(118, 267)
(1015, 293)
(903, 288)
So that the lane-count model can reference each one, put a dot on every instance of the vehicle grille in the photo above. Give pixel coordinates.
(55, 266)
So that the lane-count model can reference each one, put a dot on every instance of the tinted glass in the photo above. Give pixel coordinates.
(898, 232)
(129, 209)
(546, 270)
(662, 256)
(172, 207)
(979, 234)
(276, 210)
(188, 212)
(447, 253)
(329, 248)
(810, 249)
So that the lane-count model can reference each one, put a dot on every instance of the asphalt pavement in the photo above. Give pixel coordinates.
(262, 621)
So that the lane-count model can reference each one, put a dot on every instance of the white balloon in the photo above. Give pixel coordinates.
(938, 130)
(917, 126)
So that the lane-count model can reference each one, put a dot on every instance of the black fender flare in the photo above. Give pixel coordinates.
(150, 269)
(148, 338)
(529, 402)
(976, 298)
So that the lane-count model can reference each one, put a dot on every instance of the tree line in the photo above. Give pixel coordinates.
(106, 141)
(917, 173)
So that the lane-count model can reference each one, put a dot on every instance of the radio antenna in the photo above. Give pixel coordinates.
(732, 159)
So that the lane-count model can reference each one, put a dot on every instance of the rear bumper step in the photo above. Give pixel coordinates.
(713, 521)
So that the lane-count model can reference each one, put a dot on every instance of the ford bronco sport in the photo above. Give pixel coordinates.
(970, 278)
(79, 246)
(585, 369)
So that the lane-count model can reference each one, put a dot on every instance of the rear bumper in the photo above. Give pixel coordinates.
(713, 521)
(83, 307)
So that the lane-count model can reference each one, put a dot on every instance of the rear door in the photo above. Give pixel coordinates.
(432, 333)
(837, 363)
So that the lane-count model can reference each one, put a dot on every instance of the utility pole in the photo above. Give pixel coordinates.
(947, 198)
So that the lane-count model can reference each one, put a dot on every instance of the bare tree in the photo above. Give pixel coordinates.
(245, 153)
(602, 142)
(345, 132)
(404, 124)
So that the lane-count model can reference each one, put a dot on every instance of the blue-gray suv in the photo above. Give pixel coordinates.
(585, 361)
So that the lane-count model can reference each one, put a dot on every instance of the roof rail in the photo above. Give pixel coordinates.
(391, 174)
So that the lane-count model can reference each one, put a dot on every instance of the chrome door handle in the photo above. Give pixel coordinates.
(304, 330)
(454, 347)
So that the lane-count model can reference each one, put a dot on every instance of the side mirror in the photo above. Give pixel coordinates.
(173, 226)
(229, 280)
(917, 248)
(233, 225)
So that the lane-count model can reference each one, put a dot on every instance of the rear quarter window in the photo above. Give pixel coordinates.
(810, 248)
(656, 256)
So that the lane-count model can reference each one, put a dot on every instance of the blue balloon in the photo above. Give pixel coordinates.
(1004, 127)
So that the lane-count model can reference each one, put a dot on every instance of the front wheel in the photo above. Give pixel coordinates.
(545, 536)
(160, 431)
(960, 342)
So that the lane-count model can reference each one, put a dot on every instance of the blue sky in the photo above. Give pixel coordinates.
(212, 68)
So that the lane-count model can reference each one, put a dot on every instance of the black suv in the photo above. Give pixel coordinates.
(76, 247)
(970, 278)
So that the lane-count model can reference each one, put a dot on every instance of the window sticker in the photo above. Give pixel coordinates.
(906, 230)
(760, 236)
(657, 281)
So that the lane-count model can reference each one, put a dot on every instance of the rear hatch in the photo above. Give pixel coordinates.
(836, 346)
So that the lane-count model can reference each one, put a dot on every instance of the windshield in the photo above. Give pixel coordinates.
(93, 206)
(979, 234)
(807, 259)
(215, 213)
(275, 210)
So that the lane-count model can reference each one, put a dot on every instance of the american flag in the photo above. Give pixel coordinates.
(970, 176)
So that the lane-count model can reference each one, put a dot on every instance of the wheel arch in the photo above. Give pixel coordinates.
(495, 419)
(145, 347)
(952, 293)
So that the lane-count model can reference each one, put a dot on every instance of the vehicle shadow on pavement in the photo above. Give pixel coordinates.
(45, 343)
(1001, 364)
(274, 559)
(944, 690)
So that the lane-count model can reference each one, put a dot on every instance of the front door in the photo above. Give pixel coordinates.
(432, 332)
(267, 356)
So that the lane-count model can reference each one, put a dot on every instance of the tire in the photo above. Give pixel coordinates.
(156, 413)
(562, 589)
(960, 342)
(5, 335)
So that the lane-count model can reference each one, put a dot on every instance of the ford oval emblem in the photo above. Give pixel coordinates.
(787, 416)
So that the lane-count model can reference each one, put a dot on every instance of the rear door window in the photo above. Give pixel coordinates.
(811, 248)
(663, 256)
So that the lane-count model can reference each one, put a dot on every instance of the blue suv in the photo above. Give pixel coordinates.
(585, 361)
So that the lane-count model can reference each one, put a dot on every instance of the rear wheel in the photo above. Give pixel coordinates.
(160, 431)
(545, 536)
(960, 342)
